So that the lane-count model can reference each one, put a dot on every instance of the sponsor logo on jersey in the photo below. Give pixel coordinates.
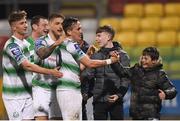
(15, 50)
(38, 43)
(78, 49)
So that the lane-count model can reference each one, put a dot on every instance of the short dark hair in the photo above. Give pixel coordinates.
(55, 15)
(16, 16)
(36, 19)
(68, 23)
(152, 52)
(106, 28)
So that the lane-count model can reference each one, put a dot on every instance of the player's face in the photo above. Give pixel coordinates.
(102, 39)
(20, 27)
(76, 32)
(146, 61)
(56, 27)
(42, 27)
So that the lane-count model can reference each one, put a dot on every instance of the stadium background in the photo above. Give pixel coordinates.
(138, 23)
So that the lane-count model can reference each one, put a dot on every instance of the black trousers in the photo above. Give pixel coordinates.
(102, 110)
(84, 111)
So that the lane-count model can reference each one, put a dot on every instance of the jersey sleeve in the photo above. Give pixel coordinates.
(15, 51)
(75, 50)
(40, 43)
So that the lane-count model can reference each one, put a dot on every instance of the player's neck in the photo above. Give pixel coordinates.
(35, 35)
(53, 36)
(19, 36)
(70, 38)
(109, 45)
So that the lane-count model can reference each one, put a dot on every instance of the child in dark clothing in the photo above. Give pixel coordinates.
(149, 85)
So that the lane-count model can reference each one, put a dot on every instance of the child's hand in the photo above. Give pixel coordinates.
(112, 98)
(162, 95)
(114, 56)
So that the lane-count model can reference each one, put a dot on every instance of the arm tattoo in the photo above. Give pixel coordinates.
(44, 52)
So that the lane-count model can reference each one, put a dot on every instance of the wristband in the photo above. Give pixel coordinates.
(108, 61)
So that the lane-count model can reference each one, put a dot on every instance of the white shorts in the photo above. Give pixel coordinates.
(19, 109)
(45, 102)
(70, 102)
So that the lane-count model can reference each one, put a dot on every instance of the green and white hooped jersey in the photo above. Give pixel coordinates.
(31, 48)
(16, 80)
(52, 61)
(70, 54)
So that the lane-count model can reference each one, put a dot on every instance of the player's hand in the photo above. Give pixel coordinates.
(60, 40)
(113, 98)
(162, 95)
(114, 56)
(56, 73)
(91, 50)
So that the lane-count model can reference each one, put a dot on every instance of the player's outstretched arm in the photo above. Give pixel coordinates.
(97, 63)
(37, 69)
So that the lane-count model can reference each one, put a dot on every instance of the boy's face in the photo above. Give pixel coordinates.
(146, 61)
(102, 39)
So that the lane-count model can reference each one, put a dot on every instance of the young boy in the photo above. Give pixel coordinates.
(109, 89)
(149, 85)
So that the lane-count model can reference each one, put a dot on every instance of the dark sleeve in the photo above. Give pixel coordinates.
(124, 59)
(88, 73)
(87, 88)
(167, 86)
(87, 77)
(123, 87)
(121, 70)
(87, 85)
